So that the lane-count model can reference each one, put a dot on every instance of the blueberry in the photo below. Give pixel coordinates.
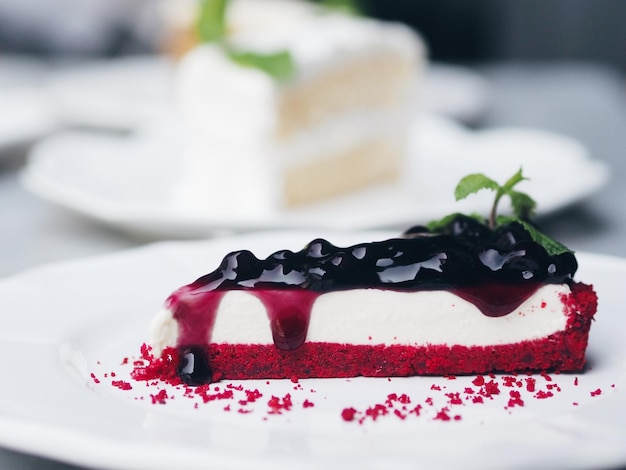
(319, 248)
(468, 227)
(416, 231)
(508, 235)
(193, 367)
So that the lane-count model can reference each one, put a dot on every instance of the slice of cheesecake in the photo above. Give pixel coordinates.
(464, 300)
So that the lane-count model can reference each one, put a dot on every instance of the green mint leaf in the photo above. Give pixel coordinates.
(551, 246)
(523, 205)
(512, 181)
(345, 6)
(211, 23)
(472, 184)
(279, 65)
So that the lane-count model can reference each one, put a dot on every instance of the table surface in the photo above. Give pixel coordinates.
(584, 101)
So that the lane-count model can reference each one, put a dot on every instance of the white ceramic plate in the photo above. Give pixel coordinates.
(127, 181)
(64, 322)
(24, 117)
(26, 112)
(117, 94)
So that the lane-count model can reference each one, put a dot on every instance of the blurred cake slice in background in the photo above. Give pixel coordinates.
(291, 104)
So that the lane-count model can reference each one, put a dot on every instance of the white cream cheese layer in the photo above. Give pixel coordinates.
(373, 316)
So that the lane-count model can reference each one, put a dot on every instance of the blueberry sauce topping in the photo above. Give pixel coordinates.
(496, 270)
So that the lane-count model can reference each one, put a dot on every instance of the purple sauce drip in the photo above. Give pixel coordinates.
(497, 301)
(288, 311)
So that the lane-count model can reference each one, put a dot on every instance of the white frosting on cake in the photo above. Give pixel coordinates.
(374, 316)
(229, 113)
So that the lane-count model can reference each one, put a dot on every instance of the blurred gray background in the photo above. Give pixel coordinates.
(488, 30)
(456, 30)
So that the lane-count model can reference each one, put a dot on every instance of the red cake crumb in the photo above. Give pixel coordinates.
(348, 414)
(516, 399)
(479, 381)
(376, 411)
(596, 392)
(277, 406)
(404, 399)
(252, 395)
(159, 398)
(122, 385)
(399, 414)
(490, 388)
(153, 368)
(443, 415)
(454, 398)
(95, 379)
(206, 395)
(307, 404)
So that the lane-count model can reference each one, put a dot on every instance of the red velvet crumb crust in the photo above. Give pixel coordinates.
(563, 351)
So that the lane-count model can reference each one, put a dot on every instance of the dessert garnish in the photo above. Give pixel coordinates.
(350, 7)
(522, 204)
(211, 27)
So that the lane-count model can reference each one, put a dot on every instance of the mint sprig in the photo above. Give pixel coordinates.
(345, 6)
(278, 65)
(211, 22)
(211, 27)
(522, 204)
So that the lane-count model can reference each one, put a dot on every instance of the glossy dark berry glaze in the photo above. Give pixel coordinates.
(496, 270)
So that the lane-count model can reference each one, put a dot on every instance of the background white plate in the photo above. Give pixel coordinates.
(25, 111)
(127, 181)
(117, 94)
(63, 322)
